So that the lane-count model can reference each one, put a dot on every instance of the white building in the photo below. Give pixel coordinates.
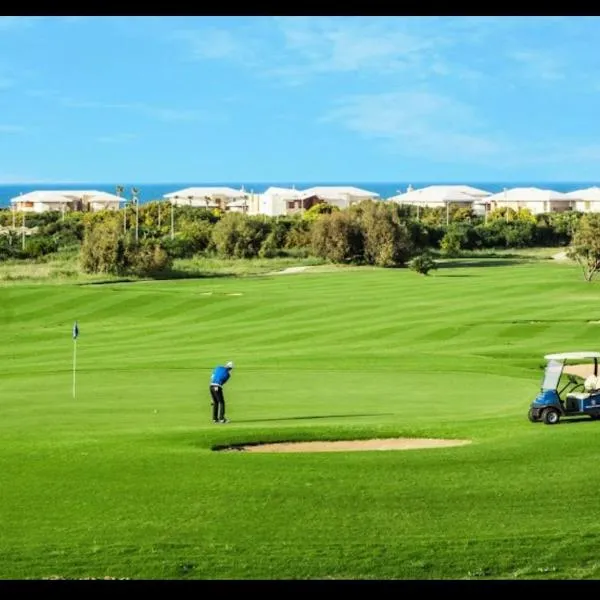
(536, 200)
(207, 197)
(65, 200)
(249, 205)
(276, 201)
(586, 200)
(340, 196)
(440, 196)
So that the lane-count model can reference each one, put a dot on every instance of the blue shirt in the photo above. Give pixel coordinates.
(219, 376)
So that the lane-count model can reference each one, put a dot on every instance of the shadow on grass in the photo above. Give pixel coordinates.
(583, 419)
(302, 418)
(454, 275)
(171, 275)
(509, 255)
(477, 262)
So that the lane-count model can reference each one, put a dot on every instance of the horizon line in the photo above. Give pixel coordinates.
(337, 182)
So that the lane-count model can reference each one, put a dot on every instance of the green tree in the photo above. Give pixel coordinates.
(337, 237)
(321, 208)
(585, 245)
(239, 236)
(103, 249)
(387, 240)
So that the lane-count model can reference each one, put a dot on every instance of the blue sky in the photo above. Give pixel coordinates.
(208, 99)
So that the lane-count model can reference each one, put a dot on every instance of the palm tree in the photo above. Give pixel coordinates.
(134, 193)
(120, 189)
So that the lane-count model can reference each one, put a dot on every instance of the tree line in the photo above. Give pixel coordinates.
(383, 234)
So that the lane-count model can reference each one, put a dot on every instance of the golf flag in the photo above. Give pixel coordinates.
(75, 336)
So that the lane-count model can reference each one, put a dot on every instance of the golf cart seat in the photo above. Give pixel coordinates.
(591, 383)
(591, 386)
(578, 396)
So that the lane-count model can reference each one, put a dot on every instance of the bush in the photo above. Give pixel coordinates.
(519, 234)
(197, 236)
(103, 249)
(299, 234)
(38, 246)
(239, 236)
(147, 258)
(178, 247)
(422, 263)
(338, 238)
(387, 241)
(321, 208)
(453, 240)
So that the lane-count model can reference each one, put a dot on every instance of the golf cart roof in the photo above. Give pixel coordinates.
(572, 356)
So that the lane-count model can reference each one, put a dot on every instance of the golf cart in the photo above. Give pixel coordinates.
(568, 389)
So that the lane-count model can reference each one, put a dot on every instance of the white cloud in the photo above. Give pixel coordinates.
(441, 129)
(419, 124)
(296, 50)
(317, 46)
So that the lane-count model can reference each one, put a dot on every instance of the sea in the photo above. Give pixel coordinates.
(156, 191)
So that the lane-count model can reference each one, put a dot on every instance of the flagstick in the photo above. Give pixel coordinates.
(74, 363)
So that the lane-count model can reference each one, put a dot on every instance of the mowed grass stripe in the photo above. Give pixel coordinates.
(372, 354)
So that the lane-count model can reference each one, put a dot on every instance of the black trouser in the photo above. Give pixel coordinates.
(218, 402)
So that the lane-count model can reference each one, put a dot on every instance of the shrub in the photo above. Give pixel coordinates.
(321, 208)
(239, 236)
(196, 234)
(103, 249)
(38, 246)
(147, 258)
(519, 233)
(337, 237)
(453, 240)
(299, 234)
(387, 241)
(422, 263)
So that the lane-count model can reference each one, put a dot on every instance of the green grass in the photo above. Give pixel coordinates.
(122, 481)
(64, 267)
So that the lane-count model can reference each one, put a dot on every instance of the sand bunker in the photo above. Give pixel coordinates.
(350, 445)
(289, 271)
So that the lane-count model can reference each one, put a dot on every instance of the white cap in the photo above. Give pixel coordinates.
(229, 365)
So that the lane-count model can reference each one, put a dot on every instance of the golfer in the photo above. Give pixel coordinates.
(218, 379)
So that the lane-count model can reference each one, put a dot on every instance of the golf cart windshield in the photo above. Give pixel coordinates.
(552, 375)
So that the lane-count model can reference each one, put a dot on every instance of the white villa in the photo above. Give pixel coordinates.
(65, 200)
(440, 196)
(586, 200)
(340, 196)
(534, 199)
(207, 197)
(276, 201)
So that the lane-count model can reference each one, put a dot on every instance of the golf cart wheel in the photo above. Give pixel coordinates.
(595, 417)
(533, 415)
(551, 416)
